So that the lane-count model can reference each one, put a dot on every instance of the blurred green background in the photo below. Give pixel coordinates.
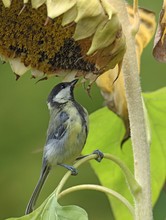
(23, 124)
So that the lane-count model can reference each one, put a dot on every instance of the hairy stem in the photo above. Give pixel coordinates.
(98, 188)
(143, 208)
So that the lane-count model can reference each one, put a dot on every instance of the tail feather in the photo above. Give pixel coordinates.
(36, 192)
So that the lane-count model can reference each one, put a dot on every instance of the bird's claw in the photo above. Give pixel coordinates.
(99, 154)
(73, 170)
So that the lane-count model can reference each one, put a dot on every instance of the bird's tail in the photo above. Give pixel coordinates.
(36, 192)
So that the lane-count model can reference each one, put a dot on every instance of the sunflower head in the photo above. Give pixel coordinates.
(78, 38)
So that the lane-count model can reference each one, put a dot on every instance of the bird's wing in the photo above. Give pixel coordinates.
(57, 126)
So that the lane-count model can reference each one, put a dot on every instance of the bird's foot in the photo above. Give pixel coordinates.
(99, 154)
(73, 170)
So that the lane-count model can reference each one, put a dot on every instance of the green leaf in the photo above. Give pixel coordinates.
(106, 133)
(156, 107)
(51, 210)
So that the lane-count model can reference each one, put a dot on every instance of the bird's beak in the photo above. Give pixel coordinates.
(72, 83)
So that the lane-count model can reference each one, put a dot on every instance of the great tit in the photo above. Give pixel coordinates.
(66, 135)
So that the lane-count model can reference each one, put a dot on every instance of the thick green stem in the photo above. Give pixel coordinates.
(143, 208)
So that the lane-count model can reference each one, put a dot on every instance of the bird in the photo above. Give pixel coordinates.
(66, 135)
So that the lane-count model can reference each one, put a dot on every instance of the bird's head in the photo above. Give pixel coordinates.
(61, 93)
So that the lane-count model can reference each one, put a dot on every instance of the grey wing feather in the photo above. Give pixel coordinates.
(57, 126)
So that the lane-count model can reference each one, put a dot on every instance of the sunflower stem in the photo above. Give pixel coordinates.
(143, 207)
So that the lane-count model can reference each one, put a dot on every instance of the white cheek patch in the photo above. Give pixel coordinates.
(49, 105)
(62, 96)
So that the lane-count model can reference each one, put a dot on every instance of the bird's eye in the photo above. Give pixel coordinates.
(63, 86)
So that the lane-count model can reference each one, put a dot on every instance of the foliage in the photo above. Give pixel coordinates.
(110, 175)
(106, 132)
(106, 129)
(50, 209)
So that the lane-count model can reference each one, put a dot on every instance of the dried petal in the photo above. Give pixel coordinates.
(114, 92)
(37, 3)
(3, 59)
(105, 34)
(18, 67)
(56, 8)
(108, 9)
(6, 3)
(159, 50)
(115, 52)
(86, 28)
(36, 73)
(88, 9)
(146, 28)
(69, 16)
